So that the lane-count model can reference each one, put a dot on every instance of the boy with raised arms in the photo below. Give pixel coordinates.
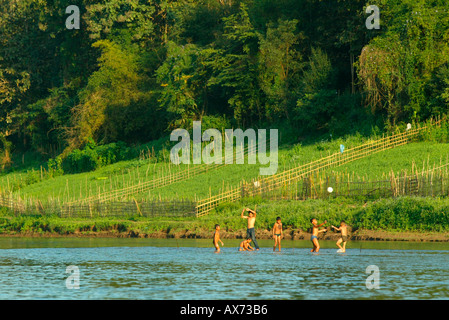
(315, 232)
(250, 231)
(344, 236)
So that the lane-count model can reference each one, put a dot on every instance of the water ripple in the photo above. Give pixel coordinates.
(197, 273)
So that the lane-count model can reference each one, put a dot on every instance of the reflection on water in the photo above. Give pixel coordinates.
(35, 268)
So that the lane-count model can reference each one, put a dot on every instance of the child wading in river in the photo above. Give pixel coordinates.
(344, 236)
(217, 238)
(315, 231)
(250, 231)
(277, 234)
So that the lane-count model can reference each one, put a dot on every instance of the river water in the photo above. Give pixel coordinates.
(38, 268)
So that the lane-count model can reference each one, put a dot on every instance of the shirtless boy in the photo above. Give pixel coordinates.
(250, 232)
(277, 234)
(217, 238)
(315, 231)
(244, 245)
(344, 236)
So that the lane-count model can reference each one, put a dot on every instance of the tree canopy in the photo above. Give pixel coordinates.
(137, 69)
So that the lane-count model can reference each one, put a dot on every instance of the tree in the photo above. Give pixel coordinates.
(235, 68)
(117, 85)
(316, 103)
(396, 67)
(280, 66)
(109, 19)
(181, 84)
(380, 71)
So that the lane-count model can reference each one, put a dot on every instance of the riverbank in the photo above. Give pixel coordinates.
(358, 235)
(395, 219)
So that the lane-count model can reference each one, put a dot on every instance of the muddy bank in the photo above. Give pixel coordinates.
(289, 234)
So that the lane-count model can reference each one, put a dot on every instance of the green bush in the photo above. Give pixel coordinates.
(113, 152)
(81, 161)
(92, 157)
(395, 214)
(435, 134)
(32, 176)
(55, 167)
(405, 214)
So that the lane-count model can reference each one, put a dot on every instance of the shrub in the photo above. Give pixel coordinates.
(81, 161)
(112, 152)
(93, 157)
(55, 167)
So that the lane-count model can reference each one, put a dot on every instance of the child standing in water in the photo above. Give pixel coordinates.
(344, 236)
(277, 234)
(217, 238)
(250, 231)
(315, 231)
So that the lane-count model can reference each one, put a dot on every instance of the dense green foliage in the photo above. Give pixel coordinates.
(137, 69)
(93, 157)
(401, 214)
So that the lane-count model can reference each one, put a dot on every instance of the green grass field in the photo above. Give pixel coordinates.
(33, 183)
(127, 173)
(422, 155)
(403, 214)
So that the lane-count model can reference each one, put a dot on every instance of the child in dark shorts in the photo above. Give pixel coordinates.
(277, 234)
(344, 236)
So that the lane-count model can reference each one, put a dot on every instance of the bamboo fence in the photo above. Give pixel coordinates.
(429, 183)
(265, 185)
(176, 208)
(165, 180)
(296, 183)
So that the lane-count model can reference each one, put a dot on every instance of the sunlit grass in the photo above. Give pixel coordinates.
(128, 173)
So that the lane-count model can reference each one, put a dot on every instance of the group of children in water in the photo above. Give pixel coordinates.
(278, 233)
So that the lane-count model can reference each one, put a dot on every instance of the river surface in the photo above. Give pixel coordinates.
(102, 268)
